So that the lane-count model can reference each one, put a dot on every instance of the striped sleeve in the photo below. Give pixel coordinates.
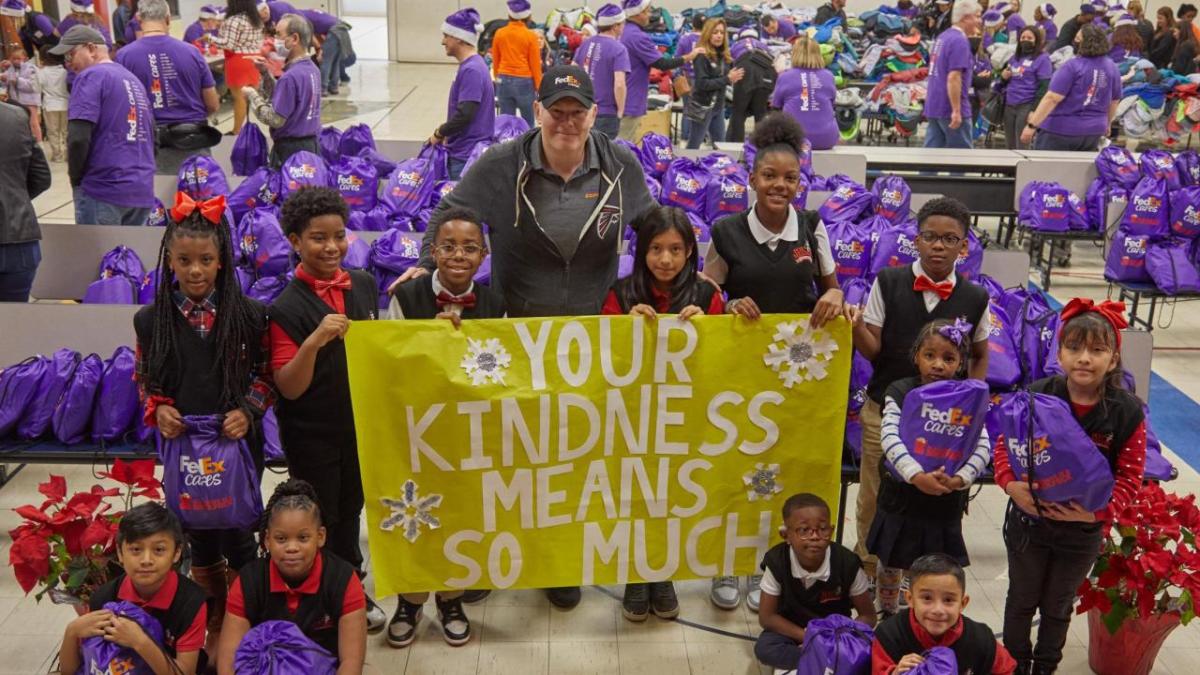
(977, 462)
(893, 447)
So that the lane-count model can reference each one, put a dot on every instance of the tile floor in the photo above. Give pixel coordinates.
(518, 632)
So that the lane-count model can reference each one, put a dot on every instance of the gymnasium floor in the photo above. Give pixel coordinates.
(518, 632)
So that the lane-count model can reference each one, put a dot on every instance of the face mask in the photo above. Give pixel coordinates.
(281, 47)
(975, 42)
(1025, 48)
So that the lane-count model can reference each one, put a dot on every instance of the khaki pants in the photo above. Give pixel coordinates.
(629, 128)
(56, 133)
(868, 481)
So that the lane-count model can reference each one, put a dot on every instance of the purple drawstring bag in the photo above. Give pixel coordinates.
(148, 288)
(158, 215)
(266, 289)
(1148, 211)
(391, 255)
(938, 661)
(358, 181)
(893, 198)
(117, 404)
(1187, 163)
(353, 140)
(262, 246)
(1004, 359)
(656, 154)
(245, 278)
(1067, 466)
(856, 291)
(1168, 263)
(358, 253)
(749, 154)
(860, 376)
(280, 648)
(654, 187)
(1185, 212)
(1158, 467)
(969, 263)
(101, 656)
(115, 290)
(57, 378)
(624, 266)
(727, 194)
(1117, 167)
(483, 275)
(329, 141)
(1077, 214)
(122, 260)
(994, 290)
(1031, 316)
(685, 184)
(941, 422)
(1160, 165)
(407, 190)
(699, 228)
(1046, 207)
(476, 152)
(259, 189)
(508, 127)
(800, 201)
(848, 203)
(439, 192)
(1096, 203)
(720, 164)
(376, 220)
(1127, 258)
(895, 247)
(18, 385)
(272, 448)
(200, 177)
(303, 169)
(835, 644)
(209, 480)
(383, 165)
(851, 244)
(74, 409)
(249, 151)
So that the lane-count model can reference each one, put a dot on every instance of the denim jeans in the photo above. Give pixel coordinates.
(1048, 140)
(331, 62)
(89, 211)
(938, 134)
(609, 125)
(515, 95)
(777, 651)
(18, 266)
(454, 167)
(713, 125)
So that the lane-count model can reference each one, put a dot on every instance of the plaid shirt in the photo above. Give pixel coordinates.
(239, 36)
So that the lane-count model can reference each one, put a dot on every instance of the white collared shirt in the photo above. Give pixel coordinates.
(717, 269)
(395, 312)
(875, 312)
(771, 586)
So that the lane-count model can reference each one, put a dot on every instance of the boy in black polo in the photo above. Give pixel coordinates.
(901, 302)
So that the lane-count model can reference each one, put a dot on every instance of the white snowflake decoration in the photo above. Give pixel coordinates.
(799, 353)
(411, 511)
(486, 361)
(762, 482)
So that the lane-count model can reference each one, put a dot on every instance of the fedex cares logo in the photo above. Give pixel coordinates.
(204, 471)
(155, 83)
(196, 175)
(995, 327)
(892, 198)
(1189, 222)
(731, 191)
(132, 118)
(406, 179)
(1054, 201)
(853, 249)
(686, 184)
(412, 247)
(663, 155)
(1041, 451)
(1149, 203)
(349, 183)
(117, 666)
(948, 422)
(302, 171)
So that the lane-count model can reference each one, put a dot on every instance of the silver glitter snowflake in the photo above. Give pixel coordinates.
(799, 353)
(485, 361)
(762, 482)
(411, 511)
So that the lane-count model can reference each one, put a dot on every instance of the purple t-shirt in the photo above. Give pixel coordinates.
(642, 53)
(1027, 71)
(278, 9)
(297, 97)
(740, 47)
(1088, 84)
(785, 32)
(67, 23)
(173, 73)
(950, 52)
(321, 21)
(601, 57)
(1050, 29)
(1015, 24)
(472, 83)
(132, 26)
(195, 31)
(120, 164)
(808, 95)
(685, 46)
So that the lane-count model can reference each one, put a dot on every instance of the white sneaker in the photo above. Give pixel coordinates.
(753, 592)
(725, 593)
(376, 617)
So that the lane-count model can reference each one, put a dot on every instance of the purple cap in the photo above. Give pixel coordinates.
(992, 17)
(609, 15)
(81, 5)
(1048, 10)
(464, 25)
(13, 8)
(1125, 20)
(635, 7)
(519, 9)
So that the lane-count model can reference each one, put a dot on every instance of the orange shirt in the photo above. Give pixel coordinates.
(515, 53)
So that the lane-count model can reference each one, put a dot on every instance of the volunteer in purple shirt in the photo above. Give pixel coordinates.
(1043, 17)
(333, 37)
(208, 23)
(110, 135)
(607, 62)
(1084, 93)
(806, 91)
(36, 29)
(178, 83)
(643, 56)
(293, 111)
(471, 111)
(1027, 76)
(1013, 23)
(271, 12)
(777, 28)
(947, 104)
(81, 14)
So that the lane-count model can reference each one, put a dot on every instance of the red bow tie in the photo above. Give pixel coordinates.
(211, 209)
(942, 288)
(341, 281)
(1112, 312)
(466, 300)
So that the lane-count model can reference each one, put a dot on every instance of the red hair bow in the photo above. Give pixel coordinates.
(1112, 312)
(211, 209)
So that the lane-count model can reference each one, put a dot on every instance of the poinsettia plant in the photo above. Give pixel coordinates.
(67, 546)
(1149, 564)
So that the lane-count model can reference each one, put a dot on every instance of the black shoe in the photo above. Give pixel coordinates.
(564, 597)
(456, 627)
(474, 596)
(1043, 668)
(345, 79)
(663, 600)
(636, 604)
(1024, 667)
(402, 629)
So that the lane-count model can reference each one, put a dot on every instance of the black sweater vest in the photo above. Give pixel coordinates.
(193, 380)
(906, 316)
(317, 615)
(1110, 423)
(782, 281)
(701, 296)
(322, 413)
(418, 301)
(175, 620)
(975, 650)
(801, 605)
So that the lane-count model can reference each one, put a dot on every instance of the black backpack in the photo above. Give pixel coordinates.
(738, 16)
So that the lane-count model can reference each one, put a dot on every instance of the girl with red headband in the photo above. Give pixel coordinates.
(1050, 554)
(202, 350)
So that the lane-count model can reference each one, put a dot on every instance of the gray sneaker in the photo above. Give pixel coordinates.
(753, 592)
(725, 593)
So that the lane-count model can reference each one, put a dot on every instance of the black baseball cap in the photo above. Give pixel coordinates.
(562, 81)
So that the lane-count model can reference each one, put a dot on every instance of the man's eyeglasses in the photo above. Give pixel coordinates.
(447, 250)
(947, 239)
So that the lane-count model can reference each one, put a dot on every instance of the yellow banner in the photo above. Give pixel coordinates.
(519, 453)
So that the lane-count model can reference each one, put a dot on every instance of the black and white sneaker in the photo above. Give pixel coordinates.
(402, 629)
(635, 606)
(376, 617)
(456, 628)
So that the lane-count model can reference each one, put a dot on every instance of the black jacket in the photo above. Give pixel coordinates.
(1162, 48)
(711, 79)
(24, 174)
(1184, 61)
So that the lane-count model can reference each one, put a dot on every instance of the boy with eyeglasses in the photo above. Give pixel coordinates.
(806, 577)
(901, 302)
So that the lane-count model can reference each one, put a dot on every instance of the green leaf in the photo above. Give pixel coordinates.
(1114, 619)
(77, 577)
(1187, 610)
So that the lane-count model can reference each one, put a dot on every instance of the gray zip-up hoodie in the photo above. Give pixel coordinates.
(527, 267)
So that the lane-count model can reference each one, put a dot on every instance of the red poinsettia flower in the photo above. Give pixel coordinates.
(31, 512)
(30, 560)
(54, 489)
